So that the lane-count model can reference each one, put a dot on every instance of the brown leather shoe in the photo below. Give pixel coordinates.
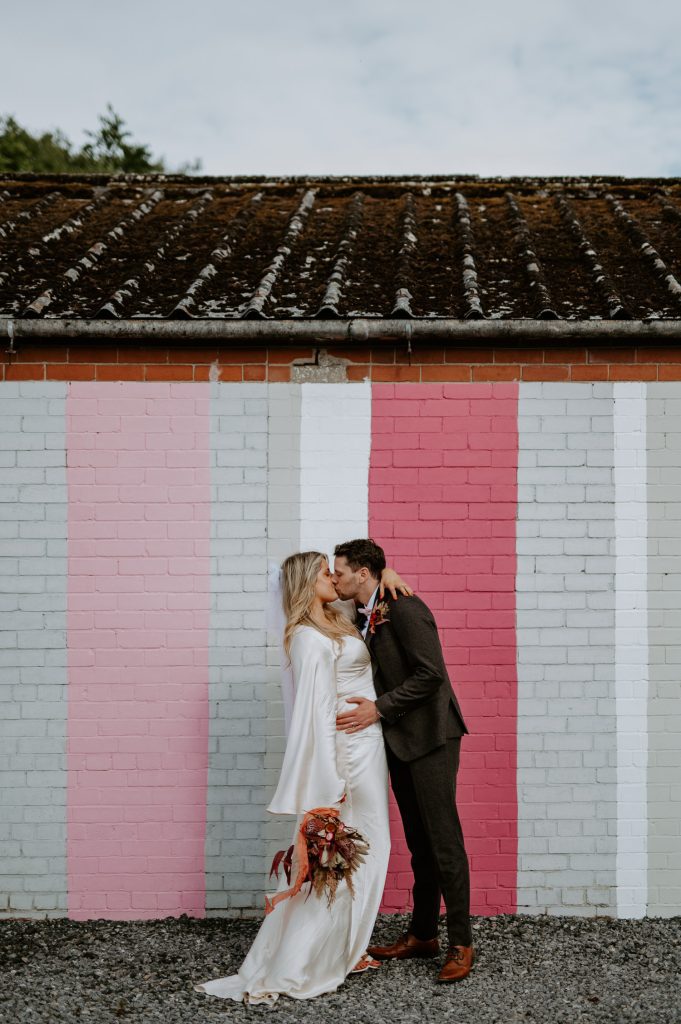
(458, 963)
(407, 947)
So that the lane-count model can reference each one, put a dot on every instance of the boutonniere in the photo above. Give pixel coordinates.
(379, 615)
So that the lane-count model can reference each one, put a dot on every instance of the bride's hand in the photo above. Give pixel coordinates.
(390, 580)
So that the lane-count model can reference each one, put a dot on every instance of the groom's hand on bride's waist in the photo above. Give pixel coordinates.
(356, 719)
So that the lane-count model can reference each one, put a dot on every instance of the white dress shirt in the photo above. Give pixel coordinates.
(368, 609)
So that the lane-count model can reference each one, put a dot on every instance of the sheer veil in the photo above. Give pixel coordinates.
(276, 622)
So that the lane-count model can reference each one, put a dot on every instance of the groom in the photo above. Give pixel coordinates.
(422, 728)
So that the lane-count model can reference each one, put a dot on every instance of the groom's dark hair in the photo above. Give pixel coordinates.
(362, 554)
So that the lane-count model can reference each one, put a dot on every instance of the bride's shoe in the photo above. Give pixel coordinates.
(365, 963)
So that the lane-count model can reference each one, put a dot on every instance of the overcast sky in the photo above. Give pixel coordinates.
(359, 86)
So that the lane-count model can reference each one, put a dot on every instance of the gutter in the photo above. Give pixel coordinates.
(357, 331)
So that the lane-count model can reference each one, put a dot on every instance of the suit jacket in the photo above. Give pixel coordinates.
(414, 695)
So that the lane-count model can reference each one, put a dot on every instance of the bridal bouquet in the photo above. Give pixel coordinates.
(328, 850)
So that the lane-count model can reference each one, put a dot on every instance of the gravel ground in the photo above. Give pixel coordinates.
(547, 970)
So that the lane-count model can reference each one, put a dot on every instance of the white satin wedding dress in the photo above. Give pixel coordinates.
(305, 948)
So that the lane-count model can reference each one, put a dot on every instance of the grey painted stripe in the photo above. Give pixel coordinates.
(664, 634)
(566, 650)
(283, 538)
(33, 506)
(236, 775)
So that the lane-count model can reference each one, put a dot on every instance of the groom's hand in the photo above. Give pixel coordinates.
(359, 718)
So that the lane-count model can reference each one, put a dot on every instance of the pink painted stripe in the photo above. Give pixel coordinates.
(138, 621)
(443, 502)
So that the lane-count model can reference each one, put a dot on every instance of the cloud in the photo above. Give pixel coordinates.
(384, 87)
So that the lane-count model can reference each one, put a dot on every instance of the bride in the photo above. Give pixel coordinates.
(305, 947)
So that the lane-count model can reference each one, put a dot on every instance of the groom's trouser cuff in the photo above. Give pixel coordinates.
(425, 790)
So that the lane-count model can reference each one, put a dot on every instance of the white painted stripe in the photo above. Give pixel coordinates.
(631, 643)
(335, 441)
(283, 539)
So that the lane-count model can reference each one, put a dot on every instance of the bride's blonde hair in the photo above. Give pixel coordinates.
(298, 578)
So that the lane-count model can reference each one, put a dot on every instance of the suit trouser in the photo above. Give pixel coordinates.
(425, 791)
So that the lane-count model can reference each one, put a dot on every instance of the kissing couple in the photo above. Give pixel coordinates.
(372, 699)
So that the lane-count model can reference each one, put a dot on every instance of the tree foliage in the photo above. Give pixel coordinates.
(109, 150)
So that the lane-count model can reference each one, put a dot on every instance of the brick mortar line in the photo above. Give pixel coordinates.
(660, 369)
(283, 355)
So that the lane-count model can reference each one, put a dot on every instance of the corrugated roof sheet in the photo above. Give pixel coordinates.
(464, 248)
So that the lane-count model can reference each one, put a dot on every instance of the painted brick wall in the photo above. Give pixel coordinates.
(318, 464)
(138, 629)
(563, 571)
(442, 500)
(33, 649)
(664, 604)
(565, 630)
(283, 536)
(632, 652)
(235, 863)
